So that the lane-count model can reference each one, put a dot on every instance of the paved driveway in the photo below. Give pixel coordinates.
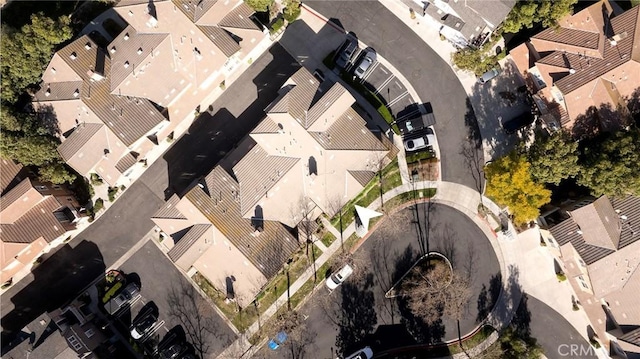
(430, 76)
(358, 314)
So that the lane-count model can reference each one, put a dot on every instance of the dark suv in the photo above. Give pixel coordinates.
(518, 123)
(348, 50)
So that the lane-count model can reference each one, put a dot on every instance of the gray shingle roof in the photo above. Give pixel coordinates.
(8, 172)
(267, 251)
(348, 133)
(239, 18)
(129, 118)
(588, 68)
(363, 177)
(194, 9)
(57, 91)
(193, 234)
(221, 38)
(257, 173)
(169, 210)
(126, 162)
(266, 126)
(37, 222)
(78, 138)
(599, 223)
(134, 51)
(567, 231)
(324, 103)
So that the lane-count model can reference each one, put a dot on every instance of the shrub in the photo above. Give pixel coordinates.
(112, 193)
(223, 85)
(96, 180)
(123, 187)
(112, 291)
(561, 277)
(98, 205)
(277, 26)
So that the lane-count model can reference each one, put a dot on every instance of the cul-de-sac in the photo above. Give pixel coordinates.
(321, 179)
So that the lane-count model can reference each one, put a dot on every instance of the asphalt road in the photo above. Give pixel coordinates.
(160, 283)
(75, 265)
(430, 76)
(357, 313)
(555, 334)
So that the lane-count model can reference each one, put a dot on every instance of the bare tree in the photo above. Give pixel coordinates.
(303, 212)
(436, 290)
(194, 314)
(336, 204)
(299, 337)
(378, 162)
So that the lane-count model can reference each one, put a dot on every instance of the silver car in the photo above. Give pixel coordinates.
(368, 58)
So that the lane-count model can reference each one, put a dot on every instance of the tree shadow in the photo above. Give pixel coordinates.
(487, 298)
(602, 119)
(358, 316)
(494, 103)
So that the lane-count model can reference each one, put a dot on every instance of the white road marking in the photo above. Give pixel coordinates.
(385, 83)
(395, 100)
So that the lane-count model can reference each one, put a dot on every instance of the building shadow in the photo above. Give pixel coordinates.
(212, 136)
(56, 282)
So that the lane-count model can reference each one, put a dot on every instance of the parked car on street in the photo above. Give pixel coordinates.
(425, 139)
(338, 278)
(489, 75)
(368, 58)
(143, 324)
(364, 353)
(116, 303)
(348, 50)
(173, 350)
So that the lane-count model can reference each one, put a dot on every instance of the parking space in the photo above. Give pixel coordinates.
(165, 290)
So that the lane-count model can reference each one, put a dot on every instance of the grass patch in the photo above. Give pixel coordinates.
(373, 99)
(242, 318)
(328, 238)
(390, 179)
(351, 241)
(419, 156)
(276, 26)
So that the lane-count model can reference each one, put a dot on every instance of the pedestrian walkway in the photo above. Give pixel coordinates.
(458, 196)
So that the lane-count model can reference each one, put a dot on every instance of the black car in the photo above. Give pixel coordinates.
(416, 123)
(143, 324)
(173, 351)
(348, 49)
(518, 123)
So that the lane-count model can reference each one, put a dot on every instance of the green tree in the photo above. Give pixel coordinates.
(55, 172)
(259, 5)
(291, 10)
(516, 347)
(528, 13)
(25, 53)
(610, 164)
(554, 158)
(28, 149)
(510, 184)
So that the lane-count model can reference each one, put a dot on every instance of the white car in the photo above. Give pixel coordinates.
(419, 143)
(337, 278)
(364, 353)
